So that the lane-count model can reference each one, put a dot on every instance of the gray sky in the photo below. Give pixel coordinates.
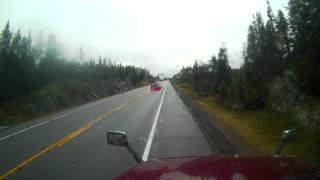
(161, 35)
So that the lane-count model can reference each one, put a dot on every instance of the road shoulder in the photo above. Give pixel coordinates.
(177, 133)
(219, 138)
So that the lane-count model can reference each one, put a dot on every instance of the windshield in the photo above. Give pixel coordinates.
(178, 78)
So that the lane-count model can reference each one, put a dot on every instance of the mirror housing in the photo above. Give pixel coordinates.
(117, 138)
(287, 135)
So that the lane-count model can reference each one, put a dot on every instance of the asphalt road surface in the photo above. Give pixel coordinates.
(72, 144)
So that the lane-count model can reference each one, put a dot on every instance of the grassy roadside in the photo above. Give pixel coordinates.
(56, 97)
(260, 131)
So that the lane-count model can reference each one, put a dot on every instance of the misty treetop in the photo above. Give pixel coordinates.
(26, 66)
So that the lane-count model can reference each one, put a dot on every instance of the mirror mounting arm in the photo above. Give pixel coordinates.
(134, 153)
(286, 136)
(279, 148)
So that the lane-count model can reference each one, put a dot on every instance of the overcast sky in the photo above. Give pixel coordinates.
(159, 35)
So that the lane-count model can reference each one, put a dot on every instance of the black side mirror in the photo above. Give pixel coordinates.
(118, 138)
(287, 136)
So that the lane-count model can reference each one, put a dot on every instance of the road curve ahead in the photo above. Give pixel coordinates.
(72, 144)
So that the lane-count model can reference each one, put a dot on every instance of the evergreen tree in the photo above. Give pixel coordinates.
(48, 69)
(27, 65)
(212, 72)
(195, 75)
(222, 76)
(254, 64)
(81, 55)
(5, 41)
(14, 68)
(38, 49)
(271, 49)
(304, 20)
(282, 27)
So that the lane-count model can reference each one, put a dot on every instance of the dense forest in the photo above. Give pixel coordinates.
(26, 66)
(36, 78)
(280, 70)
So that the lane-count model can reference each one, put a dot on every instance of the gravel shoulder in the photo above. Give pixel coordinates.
(220, 139)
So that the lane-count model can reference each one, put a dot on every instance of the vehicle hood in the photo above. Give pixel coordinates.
(224, 167)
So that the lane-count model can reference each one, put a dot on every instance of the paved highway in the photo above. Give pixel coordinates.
(72, 144)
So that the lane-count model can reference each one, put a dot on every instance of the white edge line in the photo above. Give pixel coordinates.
(149, 142)
(25, 130)
(44, 122)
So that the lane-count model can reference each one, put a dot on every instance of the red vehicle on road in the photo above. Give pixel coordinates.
(155, 86)
(217, 166)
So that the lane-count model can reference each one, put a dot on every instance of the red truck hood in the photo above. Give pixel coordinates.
(223, 167)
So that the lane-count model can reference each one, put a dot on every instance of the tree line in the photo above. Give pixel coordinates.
(283, 44)
(26, 66)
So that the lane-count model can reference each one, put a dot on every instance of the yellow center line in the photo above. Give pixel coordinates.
(69, 137)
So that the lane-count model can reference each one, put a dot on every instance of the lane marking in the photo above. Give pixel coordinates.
(150, 139)
(24, 130)
(68, 137)
(44, 122)
(59, 143)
